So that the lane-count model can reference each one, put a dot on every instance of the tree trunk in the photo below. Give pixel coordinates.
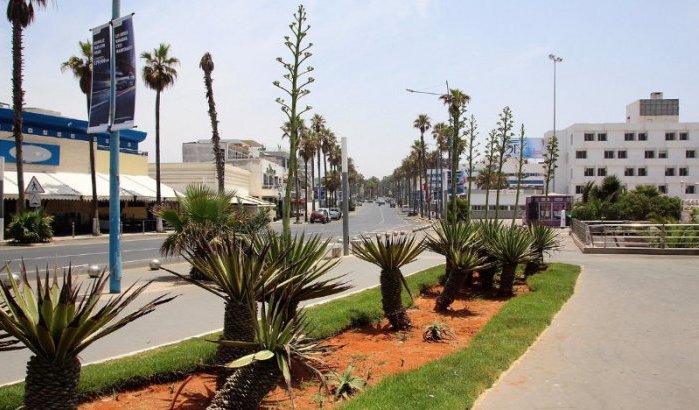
(313, 184)
(158, 197)
(325, 178)
(297, 196)
(419, 173)
(319, 154)
(17, 106)
(215, 138)
(507, 279)
(247, 387)
(451, 290)
(50, 386)
(486, 277)
(391, 287)
(305, 202)
(238, 325)
(93, 177)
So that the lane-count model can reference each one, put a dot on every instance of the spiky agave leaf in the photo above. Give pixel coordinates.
(54, 325)
(452, 235)
(512, 245)
(544, 238)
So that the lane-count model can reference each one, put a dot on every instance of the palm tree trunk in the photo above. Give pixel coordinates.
(319, 154)
(247, 387)
(296, 178)
(238, 325)
(93, 178)
(51, 386)
(18, 105)
(215, 138)
(452, 287)
(391, 287)
(486, 276)
(325, 178)
(305, 202)
(158, 198)
(507, 279)
(419, 172)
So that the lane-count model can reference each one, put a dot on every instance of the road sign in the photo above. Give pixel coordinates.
(34, 187)
(34, 201)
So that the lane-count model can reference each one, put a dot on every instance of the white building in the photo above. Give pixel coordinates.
(651, 148)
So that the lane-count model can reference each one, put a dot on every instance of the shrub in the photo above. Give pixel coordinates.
(31, 227)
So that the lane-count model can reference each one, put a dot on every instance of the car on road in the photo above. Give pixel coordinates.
(335, 214)
(320, 215)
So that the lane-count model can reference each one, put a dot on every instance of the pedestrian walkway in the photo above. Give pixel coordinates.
(627, 339)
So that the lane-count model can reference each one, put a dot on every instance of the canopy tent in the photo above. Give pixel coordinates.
(78, 186)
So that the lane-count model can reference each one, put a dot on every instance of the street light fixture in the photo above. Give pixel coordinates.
(555, 60)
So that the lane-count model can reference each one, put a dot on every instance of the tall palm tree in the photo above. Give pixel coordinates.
(207, 65)
(307, 152)
(329, 140)
(318, 127)
(456, 101)
(21, 14)
(418, 149)
(422, 123)
(81, 67)
(159, 73)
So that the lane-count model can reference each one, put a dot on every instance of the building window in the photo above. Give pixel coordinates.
(601, 172)
(662, 154)
(629, 172)
(690, 153)
(669, 172)
(684, 171)
(684, 136)
(589, 136)
(608, 154)
(669, 136)
(581, 154)
(642, 136)
(650, 154)
(621, 154)
(689, 189)
(589, 172)
(579, 189)
(662, 189)
(602, 136)
(642, 172)
(629, 136)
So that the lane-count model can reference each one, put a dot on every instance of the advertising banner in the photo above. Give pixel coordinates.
(533, 148)
(99, 95)
(125, 74)
(39, 154)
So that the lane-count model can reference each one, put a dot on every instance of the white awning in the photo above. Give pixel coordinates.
(248, 200)
(78, 186)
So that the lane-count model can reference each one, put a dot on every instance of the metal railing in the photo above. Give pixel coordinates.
(599, 234)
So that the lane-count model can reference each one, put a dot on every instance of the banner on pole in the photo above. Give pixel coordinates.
(99, 96)
(125, 73)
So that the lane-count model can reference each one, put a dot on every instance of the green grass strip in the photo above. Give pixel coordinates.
(456, 381)
(175, 361)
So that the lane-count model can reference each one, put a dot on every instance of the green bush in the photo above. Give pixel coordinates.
(31, 227)
(643, 203)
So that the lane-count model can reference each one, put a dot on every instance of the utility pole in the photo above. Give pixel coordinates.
(555, 60)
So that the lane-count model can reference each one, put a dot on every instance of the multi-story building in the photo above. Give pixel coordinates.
(651, 148)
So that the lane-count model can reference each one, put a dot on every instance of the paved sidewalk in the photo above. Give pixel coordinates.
(627, 339)
(194, 312)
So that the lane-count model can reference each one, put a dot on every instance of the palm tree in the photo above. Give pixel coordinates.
(207, 65)
(456, 100)
(81, 67)
(159, 73)
(511, 246)
(327, 142)
(56, 323)
(422, 123)
(390, 254)
(307, 152)
(21, 14)
(318, 127)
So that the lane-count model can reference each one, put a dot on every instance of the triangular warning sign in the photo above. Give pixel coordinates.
(34, 187)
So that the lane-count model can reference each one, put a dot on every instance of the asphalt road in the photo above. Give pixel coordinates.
(138, 250)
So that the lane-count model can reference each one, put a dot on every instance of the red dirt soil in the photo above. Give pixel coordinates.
(374, 351)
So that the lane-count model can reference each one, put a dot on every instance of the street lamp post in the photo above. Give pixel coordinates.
(555, 60)
(345, 198)
(114, 190)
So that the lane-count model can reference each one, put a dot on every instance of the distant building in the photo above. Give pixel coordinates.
(651, 148)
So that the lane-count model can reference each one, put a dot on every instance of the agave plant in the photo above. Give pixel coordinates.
(489, 230)
(464, 261)
(303, 268)
(437, 332)
(55, 322)
(202, 215)
(511, 246)
(545, 240)
(345, 384)
(446, 235)
(391, 253)
(279, 343)
(239, 274)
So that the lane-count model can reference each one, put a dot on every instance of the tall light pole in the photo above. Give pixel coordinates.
(555, 60)
(114, 191)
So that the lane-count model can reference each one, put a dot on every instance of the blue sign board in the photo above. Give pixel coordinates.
(39, 154)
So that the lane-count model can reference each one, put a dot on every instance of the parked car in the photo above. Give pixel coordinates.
(320, 215)
(335, 214)
(392, 204)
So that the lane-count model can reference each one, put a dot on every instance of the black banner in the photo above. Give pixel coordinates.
(125, 73)
(99, 96)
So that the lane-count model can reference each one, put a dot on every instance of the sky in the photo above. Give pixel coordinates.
(365, 55)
